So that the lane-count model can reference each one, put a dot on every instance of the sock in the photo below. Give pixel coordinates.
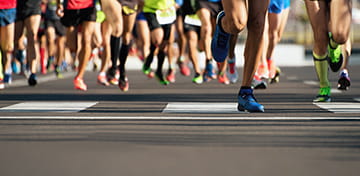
(150, 57)
(42, 58)
(245, 90)
(115, 48)
(321, 68)
(161, 59)
(124, 52)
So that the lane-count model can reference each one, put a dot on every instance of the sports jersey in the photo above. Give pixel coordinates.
(7, 4)
(150, 6)
(78, 4)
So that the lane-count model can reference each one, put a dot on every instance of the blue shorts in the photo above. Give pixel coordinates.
(7, 16)
(277, 6)
(140, 16)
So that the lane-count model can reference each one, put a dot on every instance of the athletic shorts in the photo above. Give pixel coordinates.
(277, 6)
(129, 6)
(154, 24)
(56, 24)
(189, 27)
(7, 16)
(27, 8)
(213, 7)
(76, 17)
(140, 16)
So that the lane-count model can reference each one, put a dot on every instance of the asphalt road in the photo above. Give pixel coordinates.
(141, 133)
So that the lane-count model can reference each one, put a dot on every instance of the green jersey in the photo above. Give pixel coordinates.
(150, 6)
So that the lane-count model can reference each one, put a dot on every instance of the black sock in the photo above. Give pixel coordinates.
(150, 57)
(115, 48)
(124, 52)
(161, 59)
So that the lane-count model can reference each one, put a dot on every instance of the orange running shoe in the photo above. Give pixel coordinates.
(101, 79)
(271, 68)
(262, 71)
(223, 79)
(171, 75)
(79, 84)
(184, 69)
(124, 84)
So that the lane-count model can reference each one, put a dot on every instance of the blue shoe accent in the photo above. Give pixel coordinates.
(32, 80)
(220, 41)
(209, 72)
(247, 101)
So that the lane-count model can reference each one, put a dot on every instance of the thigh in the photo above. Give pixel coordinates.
(32, 23)
(7, 37)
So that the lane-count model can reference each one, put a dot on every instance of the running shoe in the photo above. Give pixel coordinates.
(335, 58)
(344, 81)
(247, 101)
(112, 77)
(276, 78)
(184, 69)
(258, 84)
(147, 71)
(324, 95)
(58, 72)
(124, 84)
(32, 79)
(232, 72)
(271, 68)
(15, 67)
(220, 40)
(198, 79)
(2, 84)
(79, 84)
(209, 73)
(223, 79)
(101, 79)
(7, 78)
(262, 71)
(171, 75)
(161, 79)
(20, 56)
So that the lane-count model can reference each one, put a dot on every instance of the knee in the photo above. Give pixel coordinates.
(340, 37)
(234, 23)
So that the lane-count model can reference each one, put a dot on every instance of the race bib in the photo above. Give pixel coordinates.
(167, 16)
(192, 20)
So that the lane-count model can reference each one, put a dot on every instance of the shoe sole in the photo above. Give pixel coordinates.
(343, 84)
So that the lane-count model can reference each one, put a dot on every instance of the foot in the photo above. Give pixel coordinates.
(344, 81)
(232, 72)
(198, 79)
(335, 58)
(247, 101)
(147, 71)
(324, 95)
(101, 79)
(112, 77)
(58, 72)
(220, 40)
(223, 79)
(2, 84)
(124, 84)
(79, 84)
(161, 79)
(258, 84)
(171, 75)
(184, 69)
(32, 79)
(276, 78)
(7, 78)
(209, 73)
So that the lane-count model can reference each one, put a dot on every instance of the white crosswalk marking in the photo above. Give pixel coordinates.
(340, 107)
(48, 107)
(199, 107)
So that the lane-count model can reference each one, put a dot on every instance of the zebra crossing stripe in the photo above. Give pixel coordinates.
(48, 107)
(340, 107)
(201, 108)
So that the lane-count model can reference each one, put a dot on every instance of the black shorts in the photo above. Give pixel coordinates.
(56, 24)
(189, 27)
(129, 6)
(213, 7)
(154, 24)
(27, 8)
(76, 17)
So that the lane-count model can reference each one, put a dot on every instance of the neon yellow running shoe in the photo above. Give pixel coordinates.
(335, 58)
(324, 95)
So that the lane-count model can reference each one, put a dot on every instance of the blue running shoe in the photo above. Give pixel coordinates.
(7, 78)
(14, 67)
(247, 101)
(220, 41)
(209, 73)
(32, 80)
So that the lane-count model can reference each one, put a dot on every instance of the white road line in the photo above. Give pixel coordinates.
(340, 107)
(48, 107)
(312, 83)
(202, 108)
(170, 118)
